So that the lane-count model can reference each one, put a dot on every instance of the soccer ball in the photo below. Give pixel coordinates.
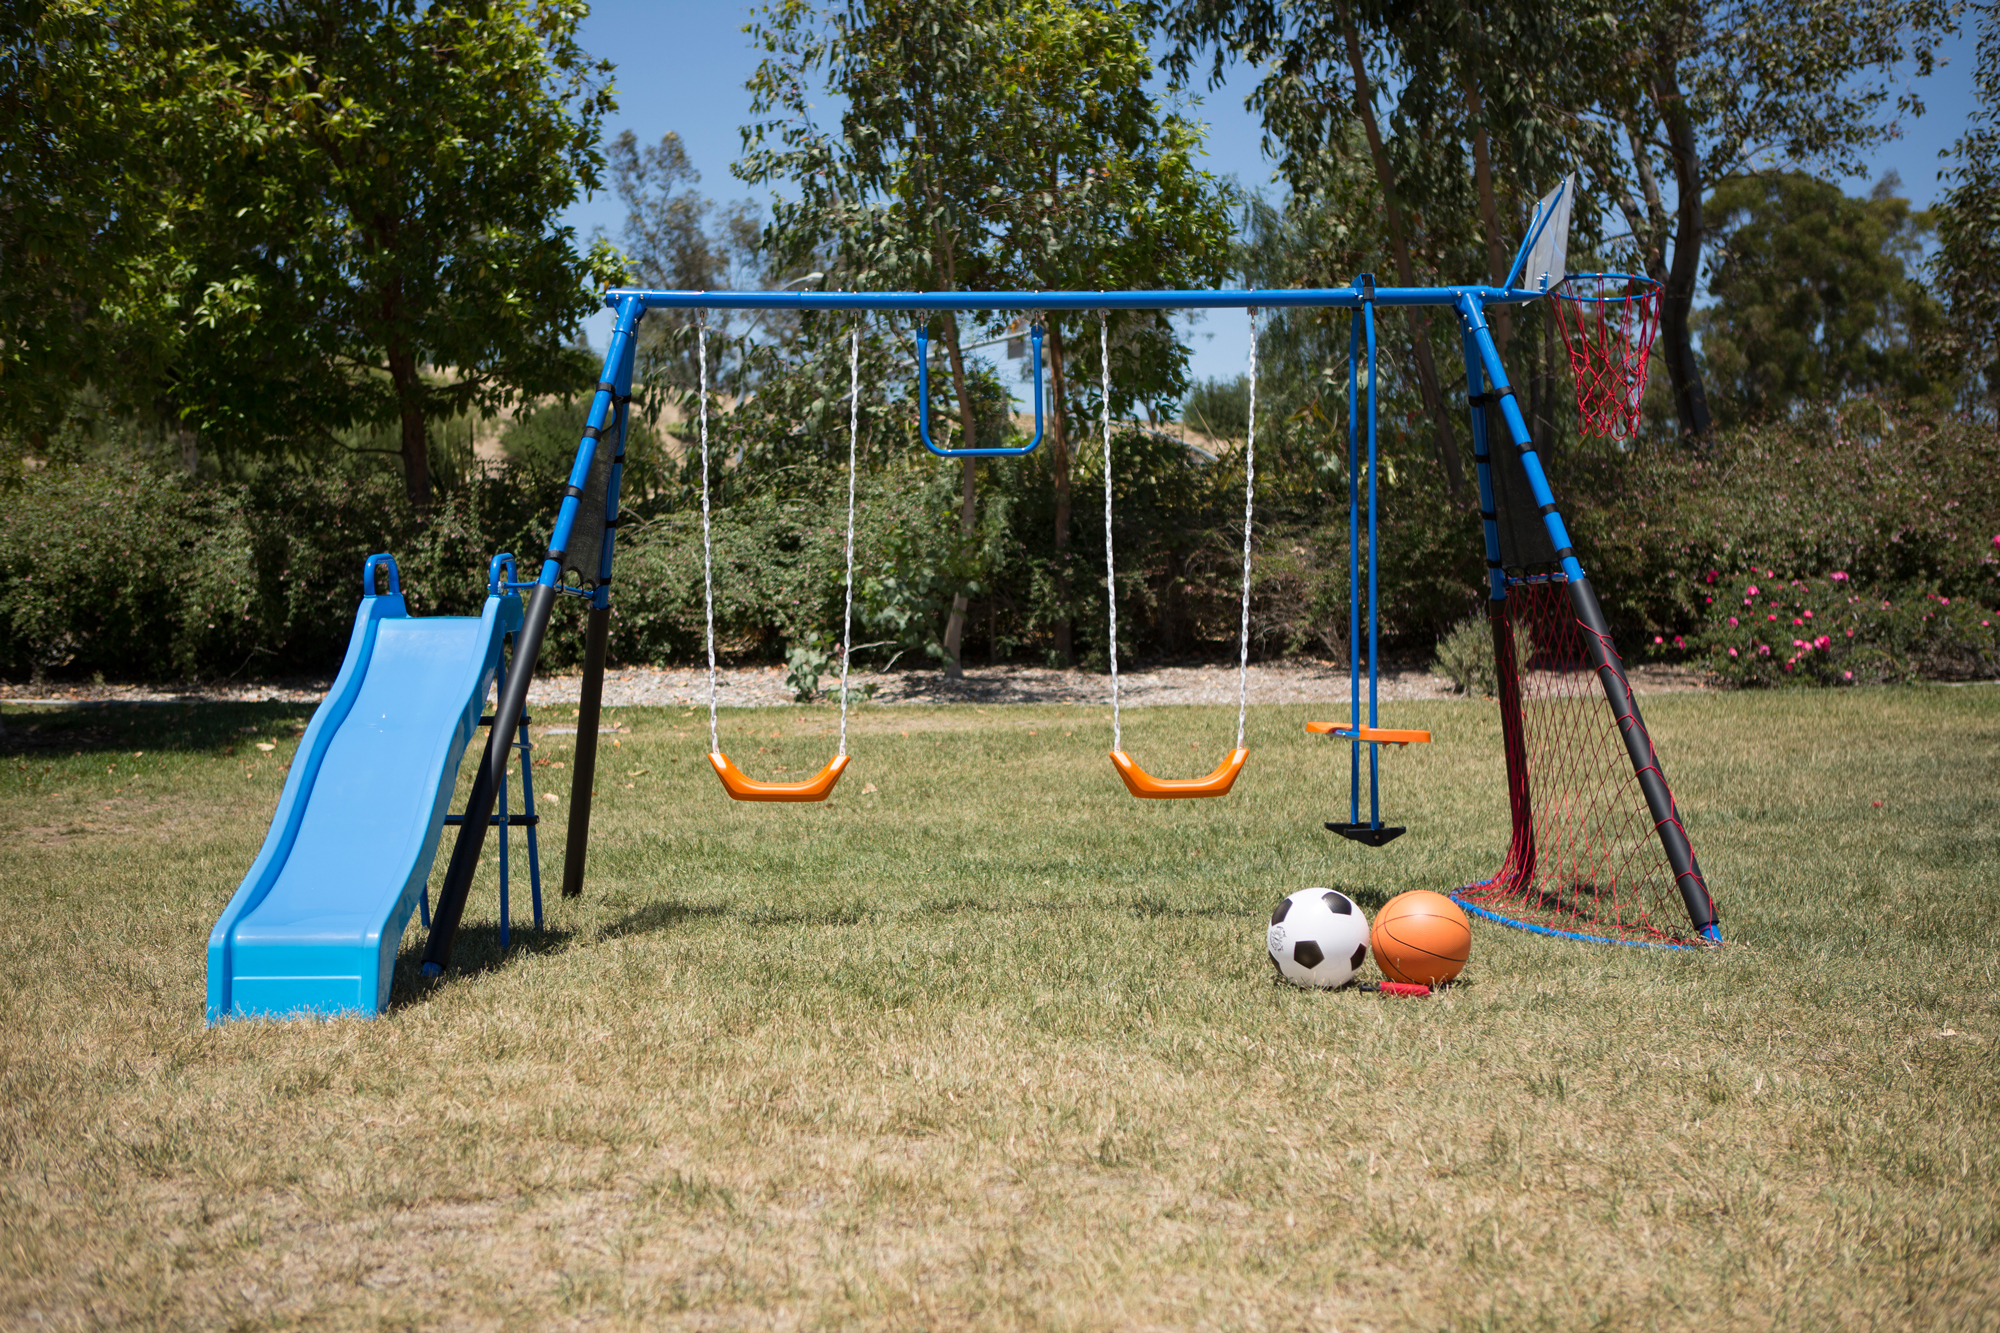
(1317, 938)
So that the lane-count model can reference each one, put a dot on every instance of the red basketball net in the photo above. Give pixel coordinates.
(1609, 321)
(1585, 858)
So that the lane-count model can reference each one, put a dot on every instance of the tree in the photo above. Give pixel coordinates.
(107, 112)
(391, 253)
(675, 241)
(1814, 298)
(1660, 101)
(1097, 189)
(1966, 267)
(1674, 99)
(985, 146)
(897, 198)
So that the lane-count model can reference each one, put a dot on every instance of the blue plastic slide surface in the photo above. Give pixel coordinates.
(315, 926)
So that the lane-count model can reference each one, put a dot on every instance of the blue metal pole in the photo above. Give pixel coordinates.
(1354, 562)
(1374, 566)
(506, 835)
(1481, 339)
(596, 640)
(528, 802)
(1269, 298)
(1603, 654)
(513, 700)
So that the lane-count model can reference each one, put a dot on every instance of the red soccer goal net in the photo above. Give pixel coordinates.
(1586, 858)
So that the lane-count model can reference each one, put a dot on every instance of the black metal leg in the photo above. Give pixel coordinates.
(584, 771)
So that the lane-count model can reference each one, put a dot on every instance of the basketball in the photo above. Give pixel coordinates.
(1421, 937)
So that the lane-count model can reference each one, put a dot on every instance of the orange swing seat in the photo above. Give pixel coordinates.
(1144, 785)
(740, 788)
(1378, 735)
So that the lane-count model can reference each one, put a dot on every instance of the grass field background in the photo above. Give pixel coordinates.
(995, 1046)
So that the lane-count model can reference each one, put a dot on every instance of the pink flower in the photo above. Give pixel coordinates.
(1679, 642)
(1763, 650)
(1850, 633)
(1808, 615)
(1772, 616)
(1732, 622)
(1708, 601)
(1658, 639)
(1711, 576)
(1797, 621)
(1800, 643)
(1752, 590)
(1944, 601)
(1732, 652)
(1847, 675)
(1839, 576)
(1996, 540)
(1823, 641)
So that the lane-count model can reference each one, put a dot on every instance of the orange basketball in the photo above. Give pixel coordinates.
(1421, 937)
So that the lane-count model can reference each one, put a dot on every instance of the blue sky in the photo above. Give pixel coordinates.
(682, 66)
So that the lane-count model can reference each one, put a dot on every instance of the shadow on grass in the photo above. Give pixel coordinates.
(654, 918)
(475, 951)
(162, 727)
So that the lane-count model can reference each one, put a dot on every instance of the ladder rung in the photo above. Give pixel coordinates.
(454, 821)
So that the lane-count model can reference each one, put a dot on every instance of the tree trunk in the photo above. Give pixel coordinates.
(968, 508)
(1058, 440)
(1489, 207)
(416, 448)
(1420, 346)
(1677, 298)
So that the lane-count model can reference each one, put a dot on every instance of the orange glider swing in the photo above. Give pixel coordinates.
(821, 784)
(1137, 780)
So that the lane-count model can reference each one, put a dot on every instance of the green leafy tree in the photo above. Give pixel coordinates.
(677, 239)
(1098, 188)
(1966, 267)
(1814, 297)
(987, 146)
(1673, 100)
(107, 114)
(896, 197)
(1660, 101)
(392, 253)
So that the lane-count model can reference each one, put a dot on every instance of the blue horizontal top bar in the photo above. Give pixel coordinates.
(1270, 299)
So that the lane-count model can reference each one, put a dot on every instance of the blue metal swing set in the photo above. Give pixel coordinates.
(300, 937)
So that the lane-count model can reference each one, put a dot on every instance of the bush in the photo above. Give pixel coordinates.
(1831, 630)
(1465, 655)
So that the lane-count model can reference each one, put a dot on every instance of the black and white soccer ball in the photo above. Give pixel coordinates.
(1317, 938)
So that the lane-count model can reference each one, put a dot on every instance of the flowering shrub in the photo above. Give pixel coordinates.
(1764, 630)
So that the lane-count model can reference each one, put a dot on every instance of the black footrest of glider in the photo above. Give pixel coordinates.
(518, 821)
(1367, 833)
(487, 721)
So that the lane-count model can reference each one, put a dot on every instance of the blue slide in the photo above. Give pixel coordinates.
(315, 926)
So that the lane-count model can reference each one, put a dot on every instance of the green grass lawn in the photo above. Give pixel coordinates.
(995, 1046)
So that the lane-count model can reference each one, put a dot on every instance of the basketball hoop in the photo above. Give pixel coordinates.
(1608, 323)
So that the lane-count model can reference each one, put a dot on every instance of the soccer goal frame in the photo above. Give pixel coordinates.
(1593, 864)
